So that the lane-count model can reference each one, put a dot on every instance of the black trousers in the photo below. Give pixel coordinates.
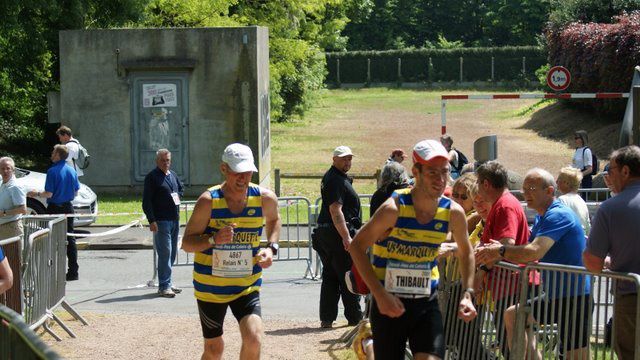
(336, 261)
(72, 250)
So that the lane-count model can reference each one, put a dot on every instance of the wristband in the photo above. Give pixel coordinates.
(470, 291)
(484, 268)
(502, 250)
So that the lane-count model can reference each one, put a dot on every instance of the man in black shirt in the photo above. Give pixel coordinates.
(338, 221)
(161, 202)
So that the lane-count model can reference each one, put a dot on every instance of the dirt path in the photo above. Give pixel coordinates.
(162, 336)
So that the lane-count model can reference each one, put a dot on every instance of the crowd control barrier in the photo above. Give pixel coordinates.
(12, 249)
(550, 315)
(295, 235)
(18, 341)
(44, 273)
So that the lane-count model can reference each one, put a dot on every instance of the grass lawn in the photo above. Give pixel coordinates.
(373, 122)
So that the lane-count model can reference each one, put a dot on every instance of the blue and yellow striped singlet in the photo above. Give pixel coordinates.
(410, 241)
(249, 223)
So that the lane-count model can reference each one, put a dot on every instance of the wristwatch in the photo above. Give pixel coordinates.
(502, 250)
(274, 247)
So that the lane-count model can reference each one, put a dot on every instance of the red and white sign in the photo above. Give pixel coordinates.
(558, 78)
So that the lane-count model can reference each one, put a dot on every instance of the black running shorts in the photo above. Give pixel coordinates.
(421, 324)
(212, 314)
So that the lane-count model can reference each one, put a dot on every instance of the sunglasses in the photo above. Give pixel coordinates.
(460, 196)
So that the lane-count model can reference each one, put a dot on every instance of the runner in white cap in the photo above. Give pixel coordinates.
(406, 233)
(224, 231)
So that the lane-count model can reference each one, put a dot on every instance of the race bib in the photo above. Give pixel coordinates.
(408, 278)
(176, 198)
(232, 260)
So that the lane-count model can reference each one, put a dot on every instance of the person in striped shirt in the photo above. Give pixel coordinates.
(224, 232)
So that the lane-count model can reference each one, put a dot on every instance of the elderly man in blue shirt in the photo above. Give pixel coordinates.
(60, 187)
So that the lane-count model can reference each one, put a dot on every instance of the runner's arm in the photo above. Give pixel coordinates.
(194, 238)
(273, 224)
(464, 251)
(383, 220)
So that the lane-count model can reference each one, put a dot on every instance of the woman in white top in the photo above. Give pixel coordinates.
(582, 159)
(568, 182)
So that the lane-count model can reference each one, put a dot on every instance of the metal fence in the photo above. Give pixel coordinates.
(44, 273)
(554, 317)
(18, 341)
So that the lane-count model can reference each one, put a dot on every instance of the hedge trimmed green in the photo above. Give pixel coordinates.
(445, 64)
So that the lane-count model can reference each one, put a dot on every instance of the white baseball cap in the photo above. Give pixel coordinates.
(239, 158)
(427, 150)
(342, 151)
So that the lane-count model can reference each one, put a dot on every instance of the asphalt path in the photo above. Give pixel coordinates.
(117, 281)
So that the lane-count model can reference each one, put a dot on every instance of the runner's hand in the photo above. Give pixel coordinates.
(346, 243)
(225, 235)
(390, 305)
(466, 310)
(265, 258)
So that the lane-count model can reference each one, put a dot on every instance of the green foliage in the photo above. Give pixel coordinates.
(598, 11)
(541, 74)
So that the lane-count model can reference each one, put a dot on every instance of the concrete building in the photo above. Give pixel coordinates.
(127, 92)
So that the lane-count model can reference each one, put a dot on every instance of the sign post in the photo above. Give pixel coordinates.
(558, 78)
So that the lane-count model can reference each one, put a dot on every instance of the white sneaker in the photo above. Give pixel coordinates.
(176, 290)
(168, 293)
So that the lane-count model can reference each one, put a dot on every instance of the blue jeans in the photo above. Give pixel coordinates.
(166, 243)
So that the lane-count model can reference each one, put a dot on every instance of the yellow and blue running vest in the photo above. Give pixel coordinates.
(249, 223)
(410, 241)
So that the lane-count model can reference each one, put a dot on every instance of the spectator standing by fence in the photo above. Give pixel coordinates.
(161, 205)
(416, 222)
(340, 216)
(397, 155)
(582, 158)
(60, 187)
(13, 201)
(224, 231)
(556, 237)
(393, 177)
(73, 146)
(614, 232)
(568, 183)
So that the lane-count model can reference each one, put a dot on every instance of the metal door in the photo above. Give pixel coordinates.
(160, 116)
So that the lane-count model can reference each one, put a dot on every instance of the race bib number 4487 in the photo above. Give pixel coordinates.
(408, 278)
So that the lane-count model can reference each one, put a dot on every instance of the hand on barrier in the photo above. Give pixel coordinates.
(225, 235)
(489, 253)
(389, 304)
(466, 310)
(265, 258)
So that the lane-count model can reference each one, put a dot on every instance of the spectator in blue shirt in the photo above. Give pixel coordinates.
(6, 276)
(556, 237)
(60, 187)
(161, 204)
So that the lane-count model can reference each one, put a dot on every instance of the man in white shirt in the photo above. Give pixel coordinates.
(66, 138)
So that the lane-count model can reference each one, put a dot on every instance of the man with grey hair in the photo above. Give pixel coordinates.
(161, 204)
(614, 232)
(556, 237)
(13, 201)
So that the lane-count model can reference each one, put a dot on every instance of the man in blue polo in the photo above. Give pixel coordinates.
(556, 237)
(60, 187)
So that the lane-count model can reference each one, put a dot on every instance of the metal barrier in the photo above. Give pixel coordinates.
(44, 273)
(558, 319)
(18, 341)
(12, 249)
(296, 216)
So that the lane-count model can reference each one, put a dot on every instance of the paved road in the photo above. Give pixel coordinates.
(116, 281)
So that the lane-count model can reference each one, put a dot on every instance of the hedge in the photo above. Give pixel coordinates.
(600, 57)
(445, 64)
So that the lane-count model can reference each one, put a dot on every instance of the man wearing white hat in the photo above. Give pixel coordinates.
(224, 231)
(406, 232)
(338, 221)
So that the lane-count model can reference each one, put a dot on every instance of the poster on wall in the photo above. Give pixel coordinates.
(159, 95)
